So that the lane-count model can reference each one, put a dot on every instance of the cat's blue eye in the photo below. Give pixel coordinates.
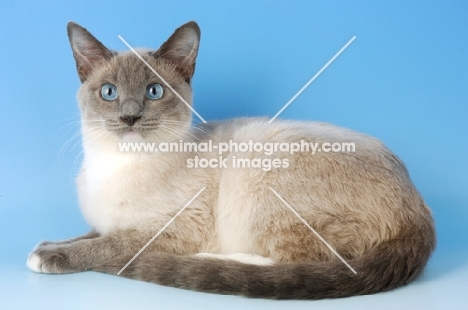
(154, 91)
(109, 92)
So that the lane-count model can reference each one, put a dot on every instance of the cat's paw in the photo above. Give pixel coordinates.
(34, 262)
(48, 259)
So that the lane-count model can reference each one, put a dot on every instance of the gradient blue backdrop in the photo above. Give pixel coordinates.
(404, 80)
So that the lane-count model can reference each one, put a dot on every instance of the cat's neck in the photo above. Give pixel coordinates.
(103, 149)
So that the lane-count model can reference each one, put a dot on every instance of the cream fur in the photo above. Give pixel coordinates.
(120, 191)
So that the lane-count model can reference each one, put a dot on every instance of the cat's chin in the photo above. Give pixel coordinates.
(132, 136)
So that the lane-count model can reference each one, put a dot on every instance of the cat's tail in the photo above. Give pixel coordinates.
(390, 264)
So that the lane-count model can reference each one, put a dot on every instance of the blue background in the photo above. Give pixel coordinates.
(404, 80)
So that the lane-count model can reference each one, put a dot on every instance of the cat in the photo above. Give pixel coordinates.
(237, 236)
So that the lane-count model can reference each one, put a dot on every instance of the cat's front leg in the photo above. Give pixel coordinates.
(83, 254)
(90, 235)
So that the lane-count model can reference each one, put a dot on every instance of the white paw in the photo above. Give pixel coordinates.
(50, 259)
(34, 263)
(240, 257)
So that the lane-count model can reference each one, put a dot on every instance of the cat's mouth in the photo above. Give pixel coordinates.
(137, 126)
(125, 132)
(133, 130)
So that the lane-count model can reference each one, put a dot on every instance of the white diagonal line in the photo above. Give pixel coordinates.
(313, 230)
(161, 230)
(162, 79)
(312, 79)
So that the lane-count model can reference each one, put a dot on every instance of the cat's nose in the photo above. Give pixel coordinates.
(130, 111)
(130, 120)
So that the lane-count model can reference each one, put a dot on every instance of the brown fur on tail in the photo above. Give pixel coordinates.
(390, 264)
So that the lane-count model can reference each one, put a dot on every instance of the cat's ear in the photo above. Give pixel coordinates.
(182, 48)
(87, 50)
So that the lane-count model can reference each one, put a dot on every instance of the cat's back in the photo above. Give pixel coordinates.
(259, 130)
(307, 146)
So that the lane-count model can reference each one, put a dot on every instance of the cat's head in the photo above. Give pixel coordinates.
(121, 97)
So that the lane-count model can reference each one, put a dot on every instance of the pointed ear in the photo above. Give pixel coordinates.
(87, 50)
(182, 48)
